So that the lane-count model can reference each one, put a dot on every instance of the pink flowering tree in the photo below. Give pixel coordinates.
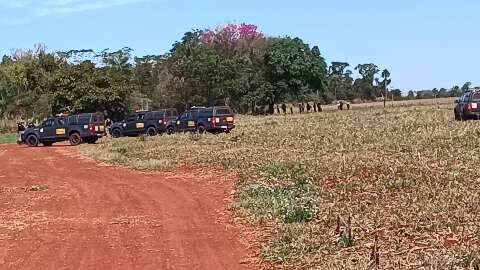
(232, 33)
(232, 37)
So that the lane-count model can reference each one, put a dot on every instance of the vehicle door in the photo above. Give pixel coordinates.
(129, 124)
(47, 130)
(192, 120)
(60, 126)
(140, 124)
(182, 122)
(54, 129)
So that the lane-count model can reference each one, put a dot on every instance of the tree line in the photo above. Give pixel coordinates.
(234, 65)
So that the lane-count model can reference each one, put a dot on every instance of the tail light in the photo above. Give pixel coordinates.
(469, 107)
(91, 128)
(164, 120)
(217, 120)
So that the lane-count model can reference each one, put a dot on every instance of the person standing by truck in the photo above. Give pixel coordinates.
(108, 124)
(20, 130)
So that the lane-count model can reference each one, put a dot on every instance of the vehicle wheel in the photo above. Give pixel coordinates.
(201, 130)
(116, 133)
(47, 144)
(75, 139)
(32, 141)
(170, 130)
(152, 131)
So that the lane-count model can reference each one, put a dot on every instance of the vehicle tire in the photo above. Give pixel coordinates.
(152, 131)
(47, 144)
(32, 141)
(75, 139)
(116, 133)
(170, 130)
(201, 130)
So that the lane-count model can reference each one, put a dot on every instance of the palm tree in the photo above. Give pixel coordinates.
(386, 82)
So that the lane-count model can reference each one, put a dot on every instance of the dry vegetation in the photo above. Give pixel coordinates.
(344, 190)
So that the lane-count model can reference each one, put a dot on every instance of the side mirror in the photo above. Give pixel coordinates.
(456, 101)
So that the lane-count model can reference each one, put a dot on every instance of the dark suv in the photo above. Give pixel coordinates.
(85, 127)
(467, 106)
(146, 122)
(213, 119)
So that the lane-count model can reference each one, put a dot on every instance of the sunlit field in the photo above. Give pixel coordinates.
(397, 188)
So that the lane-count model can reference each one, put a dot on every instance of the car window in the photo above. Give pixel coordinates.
(100, 118)
(223, 111)
(174, 113)
(194, 114)
(184, 116)
(140, 116)
(61, 122)
(476, 96)
(72, 120)
(47, 123)
(84, 119)
(206, 112)
(131, 118)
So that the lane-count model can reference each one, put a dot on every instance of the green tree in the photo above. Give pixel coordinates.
(364, 86)
(385, 83)
(293, 69)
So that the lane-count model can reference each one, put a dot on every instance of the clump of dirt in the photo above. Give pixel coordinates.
(35, 188)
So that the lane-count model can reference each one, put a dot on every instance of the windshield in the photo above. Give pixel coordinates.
(223, 111)
(476, 96)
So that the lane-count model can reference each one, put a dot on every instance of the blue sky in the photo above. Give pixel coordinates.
(424, 43)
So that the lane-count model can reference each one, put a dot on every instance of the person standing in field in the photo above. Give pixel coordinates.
(278, 109)
(284, 108)
(309, 108)
(319, 107)
(291, 109)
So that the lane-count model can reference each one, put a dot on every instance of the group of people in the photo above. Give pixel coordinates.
(307, 107)
(21, 127)
(302, 108)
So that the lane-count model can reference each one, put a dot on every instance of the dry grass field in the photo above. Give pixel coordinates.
(395, 188)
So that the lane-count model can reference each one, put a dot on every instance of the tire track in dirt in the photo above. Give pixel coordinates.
(95, 216)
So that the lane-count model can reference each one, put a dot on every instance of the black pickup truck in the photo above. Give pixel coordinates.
(146, 122)
(79, 128)
(216, 119)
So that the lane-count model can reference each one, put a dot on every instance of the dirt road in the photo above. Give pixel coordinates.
(61, 211)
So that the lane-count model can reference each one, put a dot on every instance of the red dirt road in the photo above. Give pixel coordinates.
(94, 216)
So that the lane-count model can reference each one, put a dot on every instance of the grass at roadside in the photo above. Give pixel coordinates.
(335, 185)
(8, 138)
